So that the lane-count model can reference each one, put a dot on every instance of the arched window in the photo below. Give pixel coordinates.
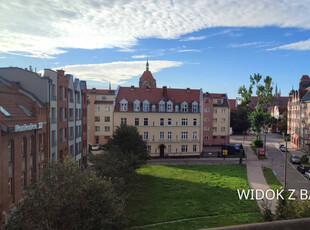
(169, 106)
(136, 106)
(146, 106)
(123, 105)
(184, 107)
(162, 106)
(195, 107)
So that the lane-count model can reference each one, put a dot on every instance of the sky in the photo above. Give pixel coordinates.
(210, 44)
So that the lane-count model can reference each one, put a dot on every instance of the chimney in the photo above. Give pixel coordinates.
(93, 90)
(188, 90)
(30, 68)
(132, 87)
(165, 92)
(60, 73)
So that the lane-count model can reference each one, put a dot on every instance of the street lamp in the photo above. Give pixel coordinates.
(285, 161)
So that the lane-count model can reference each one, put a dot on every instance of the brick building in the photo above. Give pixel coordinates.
(23, 142)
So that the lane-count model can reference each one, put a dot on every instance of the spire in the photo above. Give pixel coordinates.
(276, 89)
(109, 85)
(147, 64)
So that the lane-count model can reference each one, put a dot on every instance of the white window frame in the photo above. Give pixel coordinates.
(184, 135)
(194, 135)
(123, 105)
(145, 135)
(195, 107)
(161, 136)
(184, 148)
(169, 106)
(161, 106)
(184, 122)
(146, 106)
(184, 107)
(136, 106)
(169, 136)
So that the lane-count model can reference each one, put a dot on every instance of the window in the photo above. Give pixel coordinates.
(107, 128)
(194, 135)
(97, 118)
(206, 119)
(107, 108)
(161, 135)
(161, 106)
(176, 108)
(96, 139)
(103, 98)
(184, 149)
(223, 120)
(215, 111)
(10, 151)
(136, 121)
(169, 106)
(184, 135)
(146, 106)
(194, 122)
(71, 114)
(207, 110)
(219, 102)
(169, 149)
(169, 135)
(206, 138)
(53, 115)
(146, 122)
(184, 121)
(169, 121)
(26, 111)
(123, 121)
(194, 148)
(161, 121)
(222, 129)
(207, 101)
(194, 107)
(206, 128)
(124, 105)
(215, 120)
(97, 129)
(223, 111)
(153, 108)
(184, 107)
(136, 106)
(145, 135)
(97, 108)
(214, 129)
(107, 118)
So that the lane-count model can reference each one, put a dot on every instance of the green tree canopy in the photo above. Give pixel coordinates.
(65, 197)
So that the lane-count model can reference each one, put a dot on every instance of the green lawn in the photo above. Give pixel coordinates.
(271, 179)
(167, 193)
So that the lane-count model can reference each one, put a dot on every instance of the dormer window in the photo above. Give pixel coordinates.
(176, 108)
(5, 112)
(136, 106)
(194, 107)
(26, 111)
(146, 106)
(169, 106)
(124, 105)
(153, 108)
(219, 102)
(184, 107)
(162, 106)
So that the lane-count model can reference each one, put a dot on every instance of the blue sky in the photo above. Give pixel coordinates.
(213, 45)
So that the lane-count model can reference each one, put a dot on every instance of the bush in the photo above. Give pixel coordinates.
(304, 159)
(257, 142)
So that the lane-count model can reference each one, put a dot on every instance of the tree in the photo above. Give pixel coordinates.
(65, 197)
(260, 116)
(239, 120)
(125, 152)
(282, 124)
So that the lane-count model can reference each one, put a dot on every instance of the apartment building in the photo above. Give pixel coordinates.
(24, 144)
(100, 115)
(168, 119)
(83, 87)
(216, 119)
(298, 113)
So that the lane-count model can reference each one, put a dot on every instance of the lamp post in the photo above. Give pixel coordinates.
(285, 162)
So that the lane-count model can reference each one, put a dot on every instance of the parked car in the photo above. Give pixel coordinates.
(307, 175)
(280, 145)
(295, 159)
(95, 147)
(261, 152)
(283, 149)
(302, 168)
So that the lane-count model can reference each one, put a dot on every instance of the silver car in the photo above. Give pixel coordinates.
(307, 174)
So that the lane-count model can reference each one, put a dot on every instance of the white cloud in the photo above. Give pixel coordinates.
(139, 56)
(46, 28)
(301, 45)
(116, 72)
(188, 50)
(193, 38)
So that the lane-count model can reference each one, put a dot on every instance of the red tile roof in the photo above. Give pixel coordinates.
(154, 95)
(100, 91)
(214, 95)
(147, 75)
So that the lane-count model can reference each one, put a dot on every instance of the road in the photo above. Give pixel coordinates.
(275, 161)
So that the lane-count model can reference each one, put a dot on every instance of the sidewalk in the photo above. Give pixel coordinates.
(256, 178)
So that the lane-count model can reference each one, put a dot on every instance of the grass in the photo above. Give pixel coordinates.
(271, 179)
(206, 192)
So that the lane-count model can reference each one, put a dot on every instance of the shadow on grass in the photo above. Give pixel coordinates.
(155, 198)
